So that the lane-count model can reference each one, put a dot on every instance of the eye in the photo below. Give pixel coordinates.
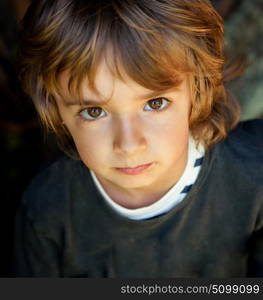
(157, 104)
(92, 113)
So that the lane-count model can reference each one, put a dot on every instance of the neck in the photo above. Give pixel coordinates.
(133, 199)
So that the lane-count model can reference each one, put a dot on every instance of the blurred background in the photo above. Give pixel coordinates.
(24, 149)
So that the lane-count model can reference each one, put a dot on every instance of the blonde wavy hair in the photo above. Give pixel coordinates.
(154, 41)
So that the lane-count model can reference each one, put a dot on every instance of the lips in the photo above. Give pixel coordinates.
(135, 170)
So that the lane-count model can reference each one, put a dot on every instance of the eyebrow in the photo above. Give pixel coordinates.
(93, 102)
(84, 101)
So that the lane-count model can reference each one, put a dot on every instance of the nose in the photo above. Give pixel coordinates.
(129, 136)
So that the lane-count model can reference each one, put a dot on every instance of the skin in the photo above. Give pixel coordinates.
(129, 131)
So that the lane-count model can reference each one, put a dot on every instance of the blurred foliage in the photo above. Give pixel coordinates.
(244, 31)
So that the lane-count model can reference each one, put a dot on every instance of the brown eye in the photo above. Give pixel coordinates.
(92, 113)
(157, 104)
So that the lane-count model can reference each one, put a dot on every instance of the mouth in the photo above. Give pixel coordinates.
(134, 170)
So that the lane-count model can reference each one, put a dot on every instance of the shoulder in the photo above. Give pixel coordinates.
(47, 198)
(249, 133)
(241, 153)
(246, 140)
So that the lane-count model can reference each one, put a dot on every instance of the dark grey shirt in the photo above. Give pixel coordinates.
(65, 229)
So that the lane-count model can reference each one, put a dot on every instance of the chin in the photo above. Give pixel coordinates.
(135, 182)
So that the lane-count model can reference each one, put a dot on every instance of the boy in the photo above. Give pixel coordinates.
(160, 182)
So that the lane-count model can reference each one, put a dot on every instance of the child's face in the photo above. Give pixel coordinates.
(134, 142)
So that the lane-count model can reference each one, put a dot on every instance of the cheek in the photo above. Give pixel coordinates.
(171, 139)
(91, 147)
(173, 128)
(174, 139)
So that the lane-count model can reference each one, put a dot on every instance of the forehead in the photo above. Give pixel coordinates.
(107, 86)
